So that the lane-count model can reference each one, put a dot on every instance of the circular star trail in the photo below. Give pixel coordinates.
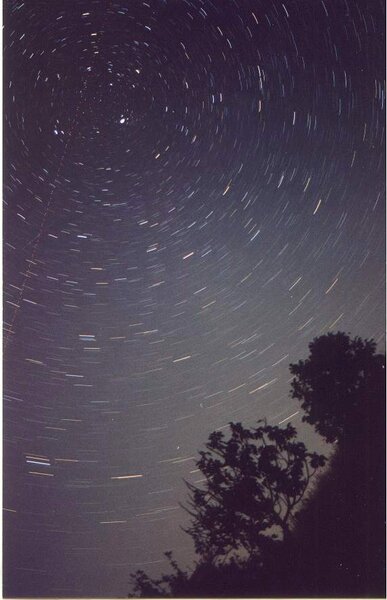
(193, 191)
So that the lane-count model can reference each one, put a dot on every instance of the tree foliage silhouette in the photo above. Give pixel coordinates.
(254, 483)
(175, 583)
(253, 532)
(342, 389)
(342, 379)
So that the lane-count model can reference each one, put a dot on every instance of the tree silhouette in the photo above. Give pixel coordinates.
(173, 584)
(254, 483)
(339, 384)
(342, 389)
(256, 528)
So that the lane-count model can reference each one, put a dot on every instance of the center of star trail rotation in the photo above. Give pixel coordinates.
(193, 191)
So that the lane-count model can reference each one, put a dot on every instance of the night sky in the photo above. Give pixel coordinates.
(194, 189)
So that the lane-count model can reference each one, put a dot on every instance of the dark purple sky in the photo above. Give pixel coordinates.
(193, 191)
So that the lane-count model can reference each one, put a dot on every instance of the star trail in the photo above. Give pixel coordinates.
(193, 190)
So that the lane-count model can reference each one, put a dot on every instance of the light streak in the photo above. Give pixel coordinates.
(126, 476)
(36, 240)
